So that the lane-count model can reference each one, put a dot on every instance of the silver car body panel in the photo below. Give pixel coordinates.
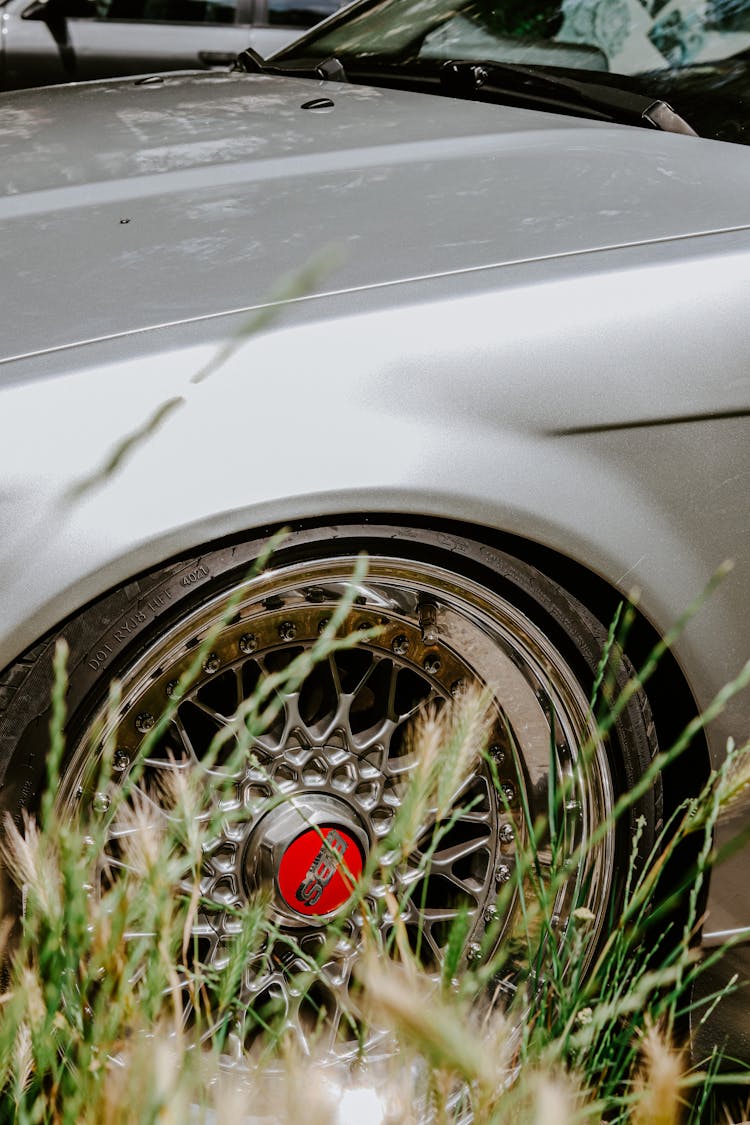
(101, 48)
(533, 324)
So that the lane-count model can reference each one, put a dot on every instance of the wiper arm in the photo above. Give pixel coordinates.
(330, 70)
(465, 79)
(609, 102)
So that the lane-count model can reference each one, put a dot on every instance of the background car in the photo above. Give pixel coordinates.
(517, 378)
(45, 41)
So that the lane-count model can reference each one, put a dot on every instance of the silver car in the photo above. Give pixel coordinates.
(43, 41)
(448, 284)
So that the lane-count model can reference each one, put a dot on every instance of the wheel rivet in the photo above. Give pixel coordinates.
(400, 644)
(315, 594)
(507, 835)
(212, 663)
(120, 760)
(287, 630)
(497, 752)
(248, 643)
(144, 722)
(100, 802)
(171, 688)
(502, 873)
(473, 951)
(431, 665)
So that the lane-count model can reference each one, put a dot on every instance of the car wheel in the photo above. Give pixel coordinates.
(451, 613)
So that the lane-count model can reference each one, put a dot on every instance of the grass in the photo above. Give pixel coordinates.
(111, 1016)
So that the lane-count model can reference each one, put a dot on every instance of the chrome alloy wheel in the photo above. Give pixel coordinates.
(324, 782)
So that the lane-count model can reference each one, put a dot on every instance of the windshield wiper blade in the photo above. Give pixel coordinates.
(330, 70)
(466, 78)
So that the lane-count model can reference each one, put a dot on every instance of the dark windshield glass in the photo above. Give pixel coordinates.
(694, 54)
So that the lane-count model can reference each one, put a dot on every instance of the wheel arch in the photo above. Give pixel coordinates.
(670, 696)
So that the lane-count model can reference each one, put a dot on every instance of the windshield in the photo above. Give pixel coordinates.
(692, 53)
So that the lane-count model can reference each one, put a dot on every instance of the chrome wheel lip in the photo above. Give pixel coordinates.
(479, 633)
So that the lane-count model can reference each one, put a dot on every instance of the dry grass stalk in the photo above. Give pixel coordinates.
(149, 1080)
(439, 1030)
(445, 743)
(659, 1082)
(734, 784)
(554, 1101)
(541, 1096)
(23, 1059)
(33, 859)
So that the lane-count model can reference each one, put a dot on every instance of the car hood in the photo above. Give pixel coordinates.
(131, 204)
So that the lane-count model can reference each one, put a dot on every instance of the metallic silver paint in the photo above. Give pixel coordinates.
(507, 276)
(99, 48)
(210, 172)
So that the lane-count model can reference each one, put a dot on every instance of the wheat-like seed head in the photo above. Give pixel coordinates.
(659, 1082)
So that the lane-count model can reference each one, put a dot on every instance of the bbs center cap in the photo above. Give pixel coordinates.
(310, 852)
(319, 869)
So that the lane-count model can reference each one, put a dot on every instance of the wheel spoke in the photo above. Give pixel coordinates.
(179, 727)
(444, 858)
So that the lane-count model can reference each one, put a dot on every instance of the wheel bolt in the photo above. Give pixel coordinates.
(144, 722)
(457, 687)
(212, 663)
(100, 802)
(473, 951)
(400, 644)
(323, 625)
(248, 643)
(508, 791)
(490, 914)
(497, 752)
(120, 761)
(431, 665)
(287, 630)
(171, 688)
(507, 835)
(502, 873)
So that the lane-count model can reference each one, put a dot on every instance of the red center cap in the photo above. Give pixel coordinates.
(318, 870)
